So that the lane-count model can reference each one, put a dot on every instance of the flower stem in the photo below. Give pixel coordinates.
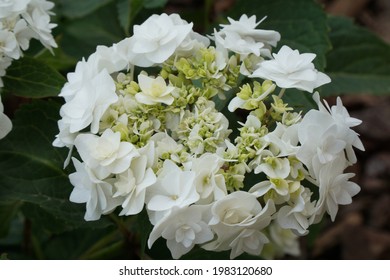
(132, 72)
(281, 93)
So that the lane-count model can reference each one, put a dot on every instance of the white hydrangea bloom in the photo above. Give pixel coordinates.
(204, 128)
(40, 24)
(113, 58)
(249, 241)
(273, 161)
(344, 122)
(76, 90)
(233, 216)
(242, 36)
(132, 184)
(233, 41)
(28, 19)
(246, 26)
(283, 141)
(324, 135)
(290, 69)
(20, 21)
(183, 228)
(320, 143)
(173, 188)
(252, 122)
(96, 193)
(334, 188)
(84, 70)
(22, 33)
(209, 183)
(89, 103)
(105, 154)
(5, 122)
(12, 7)
(283, 241)
(109, 59)
(64, 137)
(279, 186)
(167, 146)
(299, 215)
(194, 41)
(16, 31)
(9, 45)
(274, 167)
(154, 91)
(155, 40)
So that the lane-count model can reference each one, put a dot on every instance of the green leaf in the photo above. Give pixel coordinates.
(359, 61)
(301, 23)
(29, 77)
(299, 100)
(82, 36)
(127, 11)
(76, 8)
(59, 61)
(150, 4)
(31, 170)
(80, 243)
(7, 212)
(124, 14)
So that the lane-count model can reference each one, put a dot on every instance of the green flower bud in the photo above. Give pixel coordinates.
(123, 130)
(132, 88)
(245, 92)
(266, 85)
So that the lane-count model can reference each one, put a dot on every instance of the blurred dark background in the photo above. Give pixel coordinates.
(362, 229)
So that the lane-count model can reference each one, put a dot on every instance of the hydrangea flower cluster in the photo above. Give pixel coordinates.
(20, 21)
(143, 118)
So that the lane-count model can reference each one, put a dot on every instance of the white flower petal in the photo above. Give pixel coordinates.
(289, 69)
